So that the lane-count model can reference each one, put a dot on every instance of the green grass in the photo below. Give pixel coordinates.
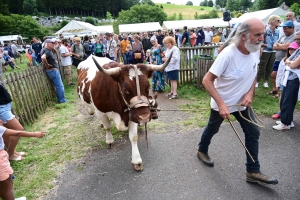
(188, 12)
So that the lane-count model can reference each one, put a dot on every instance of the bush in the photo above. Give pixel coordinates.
(90, 20)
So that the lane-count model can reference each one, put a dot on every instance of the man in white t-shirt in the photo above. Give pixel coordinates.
(66, 61)
(231, 81)
(208, 36)
(15, 51)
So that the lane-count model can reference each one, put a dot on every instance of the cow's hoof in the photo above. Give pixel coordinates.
(138, 167)
(110, 146)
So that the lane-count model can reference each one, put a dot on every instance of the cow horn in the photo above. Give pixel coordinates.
(112, 71)
(161, 67)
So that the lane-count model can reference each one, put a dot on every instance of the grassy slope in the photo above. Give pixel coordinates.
(188, 12)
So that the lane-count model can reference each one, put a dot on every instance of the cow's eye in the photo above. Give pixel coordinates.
(125, 91)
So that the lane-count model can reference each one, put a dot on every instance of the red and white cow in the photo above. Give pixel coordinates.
(120, 92)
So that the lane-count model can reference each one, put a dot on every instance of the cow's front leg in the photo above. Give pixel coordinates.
(107, 125)
(136, 157)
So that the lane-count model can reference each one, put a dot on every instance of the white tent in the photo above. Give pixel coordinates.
(104, 29)
(264, 14)
(140, 27)
(76, 27)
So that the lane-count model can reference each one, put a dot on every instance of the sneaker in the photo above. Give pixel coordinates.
(266, 85)
(292, 124)
(260, 178)
(204, 157)
(276, 116)
(281, 127)
(256, 85)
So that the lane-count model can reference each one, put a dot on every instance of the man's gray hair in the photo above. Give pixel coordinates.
(243, 29)
(297, 33)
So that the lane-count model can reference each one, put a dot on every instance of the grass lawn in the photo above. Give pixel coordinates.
(70, 135)
(188, 12)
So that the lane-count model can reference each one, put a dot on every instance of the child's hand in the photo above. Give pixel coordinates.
(39, 134)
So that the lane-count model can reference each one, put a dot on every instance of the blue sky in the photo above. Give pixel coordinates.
(178, 2)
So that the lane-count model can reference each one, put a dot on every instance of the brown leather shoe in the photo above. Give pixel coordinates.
(260, 178)
(204, 157)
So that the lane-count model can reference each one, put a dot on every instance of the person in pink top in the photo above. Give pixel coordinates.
(193, 37)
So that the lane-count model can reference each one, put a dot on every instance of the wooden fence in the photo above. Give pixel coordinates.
(192, 69)
(31, 91)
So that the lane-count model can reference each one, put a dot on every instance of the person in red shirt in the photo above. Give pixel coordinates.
(193, 37)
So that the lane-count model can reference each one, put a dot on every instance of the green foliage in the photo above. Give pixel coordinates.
(142, 13)
(149, 2)
(196, 16)
(26, 26)
(238, 15)
(173, 17)
(90, 20)
(238, 5)
(63, 23)
(201, 8)
(180, 16)
(295, 8)
(108, 15)
(287, 2)
(210, 3)
(263, 4)
(168, 2)
(210, 15)
(204, 3)
(161, 6)
(4, 8)
(29, 6)
(189, 3)
(221, 3)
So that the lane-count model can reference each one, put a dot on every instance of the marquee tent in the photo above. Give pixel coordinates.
(76, 27)
(104, 29)
(264, 14)
(140, 27)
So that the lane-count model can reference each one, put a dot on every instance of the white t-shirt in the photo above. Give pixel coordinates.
(236, 73)
(175, 60)
(65, 61)
(2, 130)
(208, 36)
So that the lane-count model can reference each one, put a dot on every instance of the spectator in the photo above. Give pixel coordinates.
(174, 65)
(146, 41)
(15, 51)
(158, 81)
(37, 47)
(77, 51)
(193, 37)
(178, 37)
(6, 184)
(216, 38)
(267, 58)
(8, 60)
(200, 36)
(87, 48)
(281, 47)
(148, 56)
(52, 71)
(138, 51)
(208, 35)
(290, 90)
(123, 45)
(111, 47)
(290, 16)
(66, 61)
(239, 60)
(185, 38)
(160, 37)
(8, 49)
(99, 47)
(129, 54)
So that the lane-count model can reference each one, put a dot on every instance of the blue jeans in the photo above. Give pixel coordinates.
(124, 56)
(288, 101)
(251, 136)
(54, 75)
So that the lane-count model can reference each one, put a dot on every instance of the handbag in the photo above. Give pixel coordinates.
(137, 56)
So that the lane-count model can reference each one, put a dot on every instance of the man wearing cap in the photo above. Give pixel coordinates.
(66, 61)
(51, 69)
(200, 36)
(77, 51)
(281, 47)
(290, 16)
(160, 37)
(111, 49)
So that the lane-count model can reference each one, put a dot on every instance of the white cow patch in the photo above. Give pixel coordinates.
(132, 73)
(91, 66)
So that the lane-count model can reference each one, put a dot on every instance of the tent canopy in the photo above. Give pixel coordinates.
(140, 27)
(264, 14)
(104, 29)
(76, 27)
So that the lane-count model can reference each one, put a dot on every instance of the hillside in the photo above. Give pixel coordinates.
(188, 12)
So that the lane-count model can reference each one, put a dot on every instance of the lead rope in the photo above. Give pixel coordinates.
(146, 138)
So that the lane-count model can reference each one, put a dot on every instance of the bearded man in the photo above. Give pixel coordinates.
(231, 80)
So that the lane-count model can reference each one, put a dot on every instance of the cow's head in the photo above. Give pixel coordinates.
(134, 88)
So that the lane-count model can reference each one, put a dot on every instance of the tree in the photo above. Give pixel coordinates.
(245, 4)
(189, 3)
(63, 23)
(203, 3)
(142, 13)
(149, 2)
(211, 14)
(263, 4)
(108, 15)
(173, 17)
(90, 20)
(180, 16)
(210, 3)
(232, 5)
(161, 6)
(287, 2)
(221, 3)
(4, 8)
(29, 6)
(295, 8)
(168, 2)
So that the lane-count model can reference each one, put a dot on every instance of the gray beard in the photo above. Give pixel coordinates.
(252, 47)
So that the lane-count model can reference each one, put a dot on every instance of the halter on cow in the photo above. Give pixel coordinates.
(119, 92)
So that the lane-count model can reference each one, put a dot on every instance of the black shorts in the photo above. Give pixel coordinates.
(172, 75)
